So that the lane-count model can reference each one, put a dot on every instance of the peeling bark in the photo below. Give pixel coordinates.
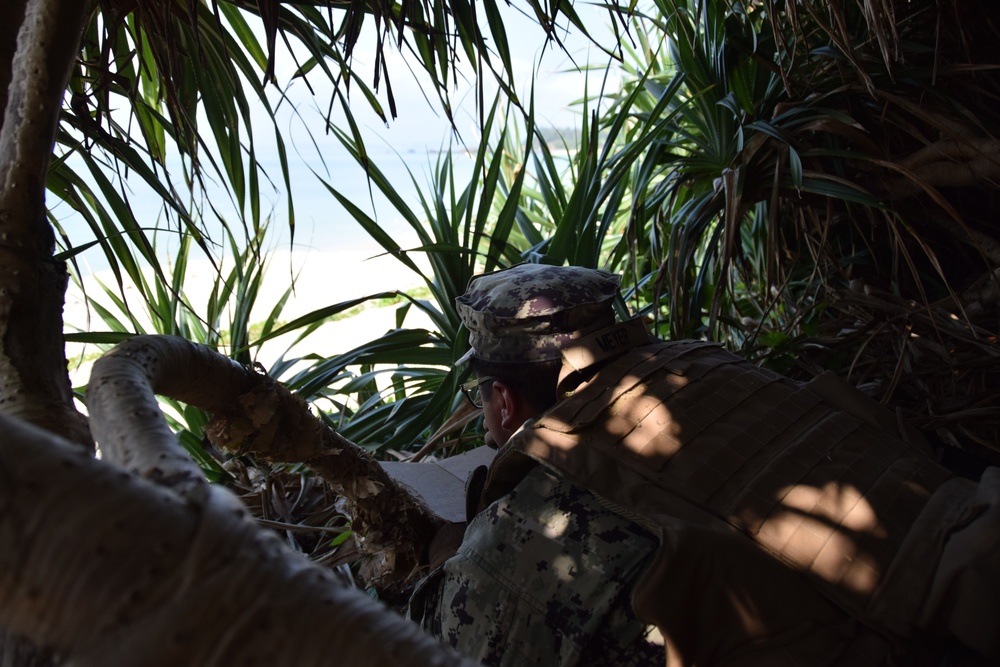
(253, 413)
(156, 579)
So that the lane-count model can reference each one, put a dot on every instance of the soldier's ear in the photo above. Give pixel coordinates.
(509, 405)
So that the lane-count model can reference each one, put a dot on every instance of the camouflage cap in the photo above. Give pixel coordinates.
(529, 311)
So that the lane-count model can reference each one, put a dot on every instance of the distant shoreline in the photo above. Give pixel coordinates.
(324, 278)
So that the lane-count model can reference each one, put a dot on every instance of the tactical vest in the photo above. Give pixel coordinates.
(817, 475)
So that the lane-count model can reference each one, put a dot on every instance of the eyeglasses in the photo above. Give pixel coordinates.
(472, 391)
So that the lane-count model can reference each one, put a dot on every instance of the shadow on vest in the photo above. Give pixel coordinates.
(799, 523)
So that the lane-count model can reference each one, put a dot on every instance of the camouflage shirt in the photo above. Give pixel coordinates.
(543, 576)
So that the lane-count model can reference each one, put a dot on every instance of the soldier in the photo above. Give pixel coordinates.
(656, 496)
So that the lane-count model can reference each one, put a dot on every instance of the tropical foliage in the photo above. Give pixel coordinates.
(763, 178)
(821, 199)
(810, 183)
(168, 97)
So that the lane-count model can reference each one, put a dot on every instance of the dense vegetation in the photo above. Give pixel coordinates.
(809, 183)
(810, 186)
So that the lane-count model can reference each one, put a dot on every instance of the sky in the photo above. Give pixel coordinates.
(420, 129)
(326, 240)
(411, 140)
(420, 125)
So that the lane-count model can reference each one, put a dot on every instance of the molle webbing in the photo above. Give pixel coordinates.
(688, 429)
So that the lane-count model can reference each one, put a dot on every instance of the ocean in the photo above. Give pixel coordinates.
(321, 223)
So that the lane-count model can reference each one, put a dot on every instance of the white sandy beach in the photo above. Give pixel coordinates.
(321, 279)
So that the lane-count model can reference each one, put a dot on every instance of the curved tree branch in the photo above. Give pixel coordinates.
(953, 150)
(961, 162)
(253, 413)
(956, 162)
(137, 575)
(965, 155)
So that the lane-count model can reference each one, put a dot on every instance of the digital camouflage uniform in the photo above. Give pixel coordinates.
(543, 577)
(544, 573)
(798, 524)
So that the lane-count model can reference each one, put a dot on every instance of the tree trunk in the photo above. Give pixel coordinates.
(34, 382)
(38, 44)
(109, 569)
